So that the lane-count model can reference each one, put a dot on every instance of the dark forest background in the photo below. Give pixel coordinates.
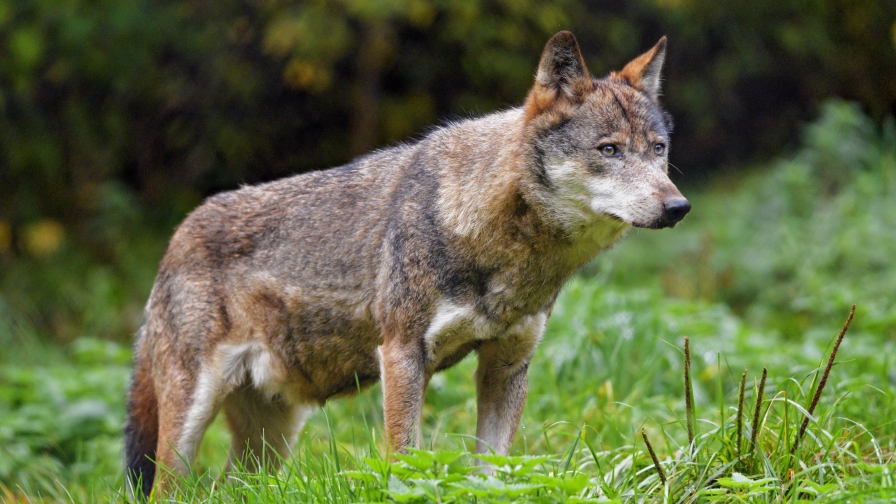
(118, 116)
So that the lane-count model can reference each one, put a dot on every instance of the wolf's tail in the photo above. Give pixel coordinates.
(141, 433)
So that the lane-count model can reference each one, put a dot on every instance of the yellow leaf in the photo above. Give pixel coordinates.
(606, 391)
(709, 373)
(44, 237)
(306, 75)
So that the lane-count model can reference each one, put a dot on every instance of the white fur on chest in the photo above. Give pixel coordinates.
(454, 326)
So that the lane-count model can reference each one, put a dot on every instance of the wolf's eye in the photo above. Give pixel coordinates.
(608, 150)
(660, 149)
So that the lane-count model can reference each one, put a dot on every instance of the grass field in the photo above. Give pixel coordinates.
(760, 277)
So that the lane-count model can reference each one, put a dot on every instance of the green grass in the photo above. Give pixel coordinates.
(760, 276)
(611, 365)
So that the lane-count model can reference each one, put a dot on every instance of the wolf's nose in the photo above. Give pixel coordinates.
(675, 209)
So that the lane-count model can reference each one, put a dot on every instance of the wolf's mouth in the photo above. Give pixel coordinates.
(658, 224)
(654, 225)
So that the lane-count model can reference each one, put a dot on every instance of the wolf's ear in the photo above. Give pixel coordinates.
(643, 72)
(561, 73)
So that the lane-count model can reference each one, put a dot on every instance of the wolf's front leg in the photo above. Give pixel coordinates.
(404, 383)
(501, 384)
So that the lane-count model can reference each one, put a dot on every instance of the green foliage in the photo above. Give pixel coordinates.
(62, 420)
(73, 291)
(839, 459)
(579, 433)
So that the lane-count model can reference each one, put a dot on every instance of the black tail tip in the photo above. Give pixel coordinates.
(140, 477)
(140, 469)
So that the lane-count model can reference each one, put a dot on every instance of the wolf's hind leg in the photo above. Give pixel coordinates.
(262, 428)
(185, 411)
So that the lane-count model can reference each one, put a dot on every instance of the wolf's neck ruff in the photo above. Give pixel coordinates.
(494, 197)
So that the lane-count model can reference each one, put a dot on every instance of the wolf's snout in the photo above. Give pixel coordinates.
(675, 209)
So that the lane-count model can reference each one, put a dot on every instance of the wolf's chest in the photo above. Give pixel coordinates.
(454, 326)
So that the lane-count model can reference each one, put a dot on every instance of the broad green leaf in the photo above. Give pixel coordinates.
(401, 492)
(417, 459)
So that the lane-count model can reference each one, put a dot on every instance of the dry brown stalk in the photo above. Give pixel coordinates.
(759, 391)
(656, 461)
(688, 392)
(823, 382)
(740, 408)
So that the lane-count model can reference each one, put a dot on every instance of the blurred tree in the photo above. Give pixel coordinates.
(744, 76)
(174, 99)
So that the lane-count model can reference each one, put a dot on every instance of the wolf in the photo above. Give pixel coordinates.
(275, 298)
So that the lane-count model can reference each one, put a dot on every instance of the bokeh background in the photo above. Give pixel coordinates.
(117, 117)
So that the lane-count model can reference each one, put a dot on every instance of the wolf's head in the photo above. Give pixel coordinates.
(600, 147)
